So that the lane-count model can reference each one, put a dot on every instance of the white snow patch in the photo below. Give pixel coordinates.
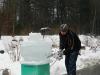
(88, 57)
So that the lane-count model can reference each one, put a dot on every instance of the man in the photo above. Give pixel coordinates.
(70, 43)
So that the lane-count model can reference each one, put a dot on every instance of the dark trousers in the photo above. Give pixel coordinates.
(70, 63)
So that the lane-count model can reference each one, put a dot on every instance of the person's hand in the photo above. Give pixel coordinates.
(59, 58)
(59, 55)
(79, 53)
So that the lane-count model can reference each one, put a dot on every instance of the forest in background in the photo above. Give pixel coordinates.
(19, 17)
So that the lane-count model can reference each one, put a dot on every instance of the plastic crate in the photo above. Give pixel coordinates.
(27, 69)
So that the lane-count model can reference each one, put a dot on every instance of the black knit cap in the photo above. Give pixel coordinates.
(64, 27)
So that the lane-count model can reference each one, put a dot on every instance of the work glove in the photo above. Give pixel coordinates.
(79, 53)
(59, 58)
(59, 55)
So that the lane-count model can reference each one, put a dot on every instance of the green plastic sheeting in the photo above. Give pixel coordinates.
(27, 69)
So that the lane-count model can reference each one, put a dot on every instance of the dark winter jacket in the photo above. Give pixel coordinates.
(70, 42)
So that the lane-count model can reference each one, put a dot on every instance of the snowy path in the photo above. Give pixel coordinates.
(93, 70)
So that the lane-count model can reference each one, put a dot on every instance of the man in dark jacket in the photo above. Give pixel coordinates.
(70, 43)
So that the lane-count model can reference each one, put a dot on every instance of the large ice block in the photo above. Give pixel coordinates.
(36, 50)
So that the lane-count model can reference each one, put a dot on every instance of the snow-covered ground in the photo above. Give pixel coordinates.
(89, 56)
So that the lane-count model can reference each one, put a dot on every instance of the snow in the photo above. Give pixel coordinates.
(89, 56)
